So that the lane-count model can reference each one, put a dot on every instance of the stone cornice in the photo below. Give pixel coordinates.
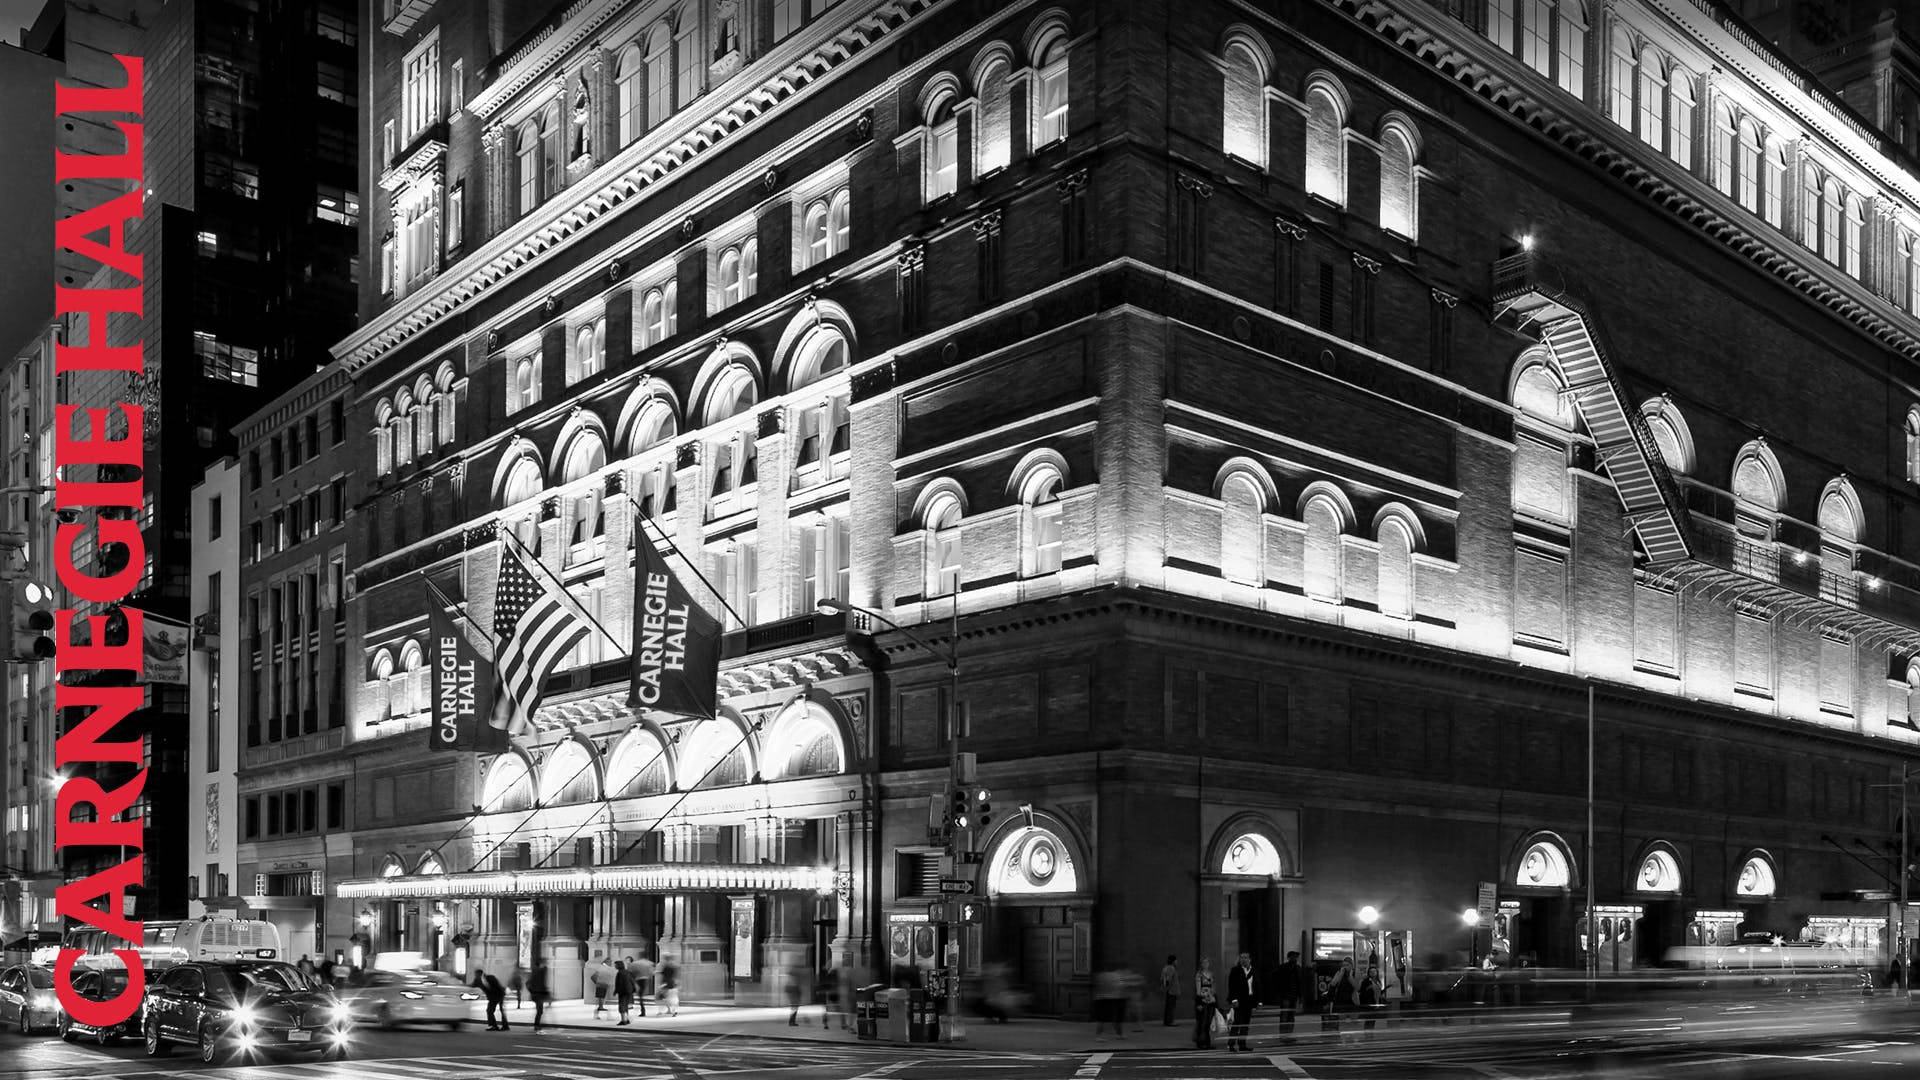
(539, 55)
(1574, 125)
(321, 385)
(650, 161)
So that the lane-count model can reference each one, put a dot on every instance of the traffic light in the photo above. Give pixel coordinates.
(31, 623)
(960, 816)
(982, 809)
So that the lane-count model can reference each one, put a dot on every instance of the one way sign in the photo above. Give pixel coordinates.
(956, 885)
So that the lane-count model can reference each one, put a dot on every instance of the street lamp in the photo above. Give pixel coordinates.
(1369, 915)
(828, 605)
(1470, 919)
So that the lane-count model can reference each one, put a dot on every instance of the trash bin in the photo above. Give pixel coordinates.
(923, 1011)
(865, 1009)
(895, 1020)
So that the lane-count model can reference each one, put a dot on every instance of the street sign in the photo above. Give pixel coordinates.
(955, 885)
(1487, 900)
(972, 858)
(942, 913)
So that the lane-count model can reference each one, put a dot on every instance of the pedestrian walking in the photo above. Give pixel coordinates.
(1205, 1006)
(1109, 1002)
(325, 971)
(1135, 985)
(305, 965)
(517, 982)
(641, 971)
(1293, 992)
(796, 974)
(1170, 989)
(1243, 989)
(1336, 996)
(1371, 991)
(496, 996)
(601, 977)
(669, 977)
(623, 991)
(540, 989)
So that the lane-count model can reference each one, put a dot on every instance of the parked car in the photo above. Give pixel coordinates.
(390, 998)
(101, 985)
(243, 1008)
(26, 999)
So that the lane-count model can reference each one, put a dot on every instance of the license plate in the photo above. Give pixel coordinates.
(299, 1036)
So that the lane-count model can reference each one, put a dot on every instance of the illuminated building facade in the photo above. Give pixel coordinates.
(1301, 416)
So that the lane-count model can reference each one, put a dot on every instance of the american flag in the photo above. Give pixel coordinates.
(533, 627)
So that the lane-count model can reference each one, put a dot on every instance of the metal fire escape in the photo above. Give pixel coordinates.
(1706, 555)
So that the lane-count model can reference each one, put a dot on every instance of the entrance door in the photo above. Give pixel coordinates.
(1257, 922)
(1046, 966)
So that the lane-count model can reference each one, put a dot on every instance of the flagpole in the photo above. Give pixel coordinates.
(688, 790)
(646, 519)
(542, 567)
(457, 609)
(606, 803)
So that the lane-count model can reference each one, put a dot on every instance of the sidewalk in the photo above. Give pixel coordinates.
(1032, 1036)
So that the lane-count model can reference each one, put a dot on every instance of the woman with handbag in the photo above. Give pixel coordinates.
(1205, 1010)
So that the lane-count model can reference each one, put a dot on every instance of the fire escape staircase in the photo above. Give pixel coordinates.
(1709, 558)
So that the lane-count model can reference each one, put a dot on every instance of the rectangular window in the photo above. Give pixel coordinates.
(1441, 318)
(946, 561)
(336, 806)
(1753, 653)
(334, 83)
(1326, 296)
(273, 815)
(253, 817)
(943, 160)
(986, 235)
(1536, 36)
(1620, 107)
(786, 18)
(1655, 625)
(309, 810)
(335, 25)
(456, 216)
(1540, 597)
(213, 517)
(913, 289)
(1046, 539)
(1836, 674)
(389, 142)
(422, 86)
(337, 418)
(686, 63)
(456, 87)
(1571, 71)
(1365, 273)
(337, 205)
(1189, 225)
(1286, 265)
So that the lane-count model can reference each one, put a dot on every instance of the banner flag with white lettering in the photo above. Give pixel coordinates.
(462, 686)
(676, 642)
(165, 644)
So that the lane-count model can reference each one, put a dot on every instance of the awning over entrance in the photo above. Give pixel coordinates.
(583, 881)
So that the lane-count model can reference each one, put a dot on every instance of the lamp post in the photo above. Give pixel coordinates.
(953, 1030)
(1470, 919)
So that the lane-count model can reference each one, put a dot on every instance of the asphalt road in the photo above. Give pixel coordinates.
(1696, 1052)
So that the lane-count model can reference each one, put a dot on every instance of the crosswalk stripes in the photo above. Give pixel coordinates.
(1287, 1067)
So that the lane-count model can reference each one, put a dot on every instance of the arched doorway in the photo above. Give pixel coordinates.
(1247, 867)
(1041, 925)
(1538, 925)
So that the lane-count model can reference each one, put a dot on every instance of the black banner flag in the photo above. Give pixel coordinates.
(462, 687)
(676, 642)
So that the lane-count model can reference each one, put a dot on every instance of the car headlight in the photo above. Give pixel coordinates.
(469, 996)
(339, 1014)
(412, 995)
(242, 1015)
(44, 999)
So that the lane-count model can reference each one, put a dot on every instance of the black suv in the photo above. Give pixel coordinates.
(251, 1007)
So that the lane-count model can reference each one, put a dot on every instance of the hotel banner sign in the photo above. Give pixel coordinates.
(462, 689)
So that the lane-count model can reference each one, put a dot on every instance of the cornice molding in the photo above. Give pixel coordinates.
(541, 53)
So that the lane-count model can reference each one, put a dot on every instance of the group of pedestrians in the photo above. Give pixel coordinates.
(625, 980)
(1292, 988)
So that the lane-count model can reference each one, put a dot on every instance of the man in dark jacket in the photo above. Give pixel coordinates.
(623, 991)
(496, 995)
(540, 989)
(1243, 989)
(1292, 991)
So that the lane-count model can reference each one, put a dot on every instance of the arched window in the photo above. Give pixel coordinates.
(1571, 59)
(942, 145)
(383, 678)
(739, 273)
(1659, 873)
(587, 515)
(1051, 86)
(639, 767)
(509, 786)
(1680, 101)
(1621, 71)
(660, 103)
(1326, 144)
(1773, 195)
(1853, 236)
(1245, 105)
(1243, 507)
(403, 417)
(840, 220)
(382, 439)
(821, 353)
(1545, 865)
(1652, 119)
(1910, 250)
(1399, 183)
(527, 166)
(1724, 137)
(1397, 545)
(686, 55)
(568, 776)
(1757, 494)
(940, 517)
(1913, 444)
(408, 688)
(654, 425)
(1040, 495)
(445, 407)
(422, 419)
(523, 389)
(658, 319)
(1325, 523)
(523, 485)
(1032, 861)
(629, 73)
(713, 754)
(993, 138)
(1748, 165)
(1756, 879)
(1540, 481)
(1251, 855)
(733, 393)
(430, 865)
(552, 139)
(588, 356)
(1670, 435)
(819, 247)
(1830, 233)
(802, 741)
